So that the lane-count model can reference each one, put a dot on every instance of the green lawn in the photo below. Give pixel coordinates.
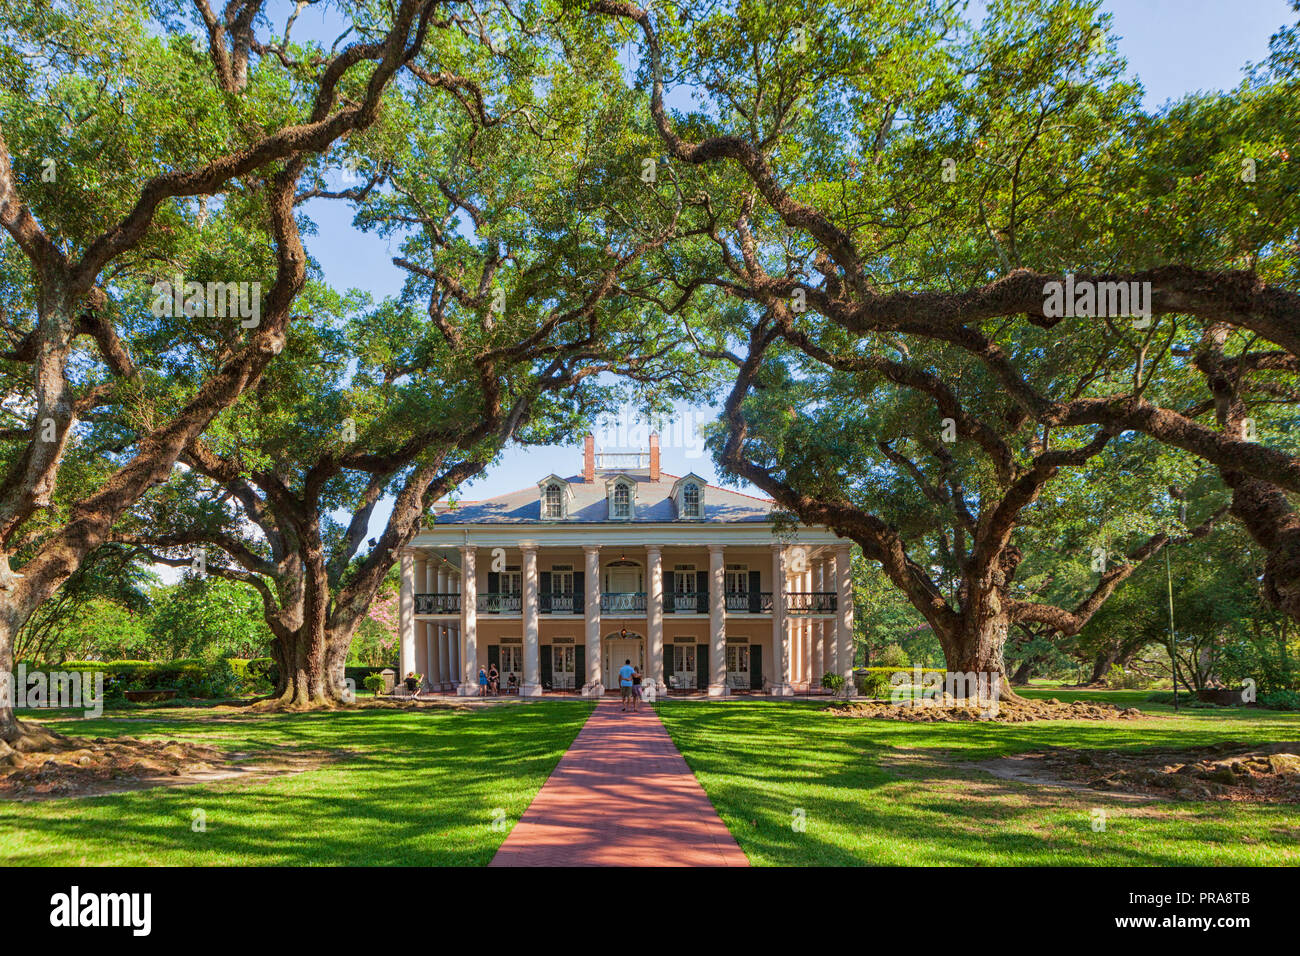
(885, 792)
(417, 788)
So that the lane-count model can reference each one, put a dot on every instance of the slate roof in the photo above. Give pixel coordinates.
(589, 504)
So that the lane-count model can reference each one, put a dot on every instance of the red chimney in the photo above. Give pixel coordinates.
(654, 456)
(589, 460)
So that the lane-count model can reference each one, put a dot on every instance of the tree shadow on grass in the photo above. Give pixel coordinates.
(417, 788)
(796, 785)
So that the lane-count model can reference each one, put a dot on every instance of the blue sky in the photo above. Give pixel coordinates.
(1174, 47)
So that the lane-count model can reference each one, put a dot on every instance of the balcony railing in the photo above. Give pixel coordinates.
(559, 603)
(622, 602)
(810, 602)
(634, 602)
(437, 604)
(749, 602)
(490, 603)
(686, 602)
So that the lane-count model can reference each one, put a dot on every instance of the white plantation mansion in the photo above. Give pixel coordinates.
(559, 583)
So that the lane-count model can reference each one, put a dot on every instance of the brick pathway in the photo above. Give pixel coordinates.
(621, 796)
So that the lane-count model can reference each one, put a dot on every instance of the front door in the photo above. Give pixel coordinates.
(617, 651)
(683, 672)
(562, 666)
(738, 665)
(512, 662)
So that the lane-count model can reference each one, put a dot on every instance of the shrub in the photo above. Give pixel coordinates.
(374, 682)
(891, 656)
(832, 682)
(1280, 700)
(1120, 679)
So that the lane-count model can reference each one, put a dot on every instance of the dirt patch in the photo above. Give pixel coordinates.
(80, 767)
(1007, 712)
(1260, 773)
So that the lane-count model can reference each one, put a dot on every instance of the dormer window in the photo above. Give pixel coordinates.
(554, 505)
(554, 493)
(691, 500)
(621, 491)
(688, 497)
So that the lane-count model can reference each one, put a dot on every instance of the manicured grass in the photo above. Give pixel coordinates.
(891, 793)
(414, 787)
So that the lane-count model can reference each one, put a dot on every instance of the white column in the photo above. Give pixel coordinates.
(406, 616)
(532, 686)
(655, 619)
(806, 634)
(717, 623)
(777, 683)
(422, 665)
(444, 669)
(794, 583)
(819, 631)
(591, 612)
(468, 621)
(844, 618)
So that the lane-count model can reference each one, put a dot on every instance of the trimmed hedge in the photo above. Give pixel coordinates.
(189, 677)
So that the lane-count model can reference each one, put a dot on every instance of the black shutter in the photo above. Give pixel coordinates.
(544, 591)
(494, 583)
(579, 666)
(494, 656)
(755, 592)
(579, 591)
(702, 592)
(755, 664)
(702, 666)
(544, 659)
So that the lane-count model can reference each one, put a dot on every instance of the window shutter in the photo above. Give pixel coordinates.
(579, 665)
(702, 591)
(755, 588)
(579, 590)
(494, 583)
(702, 666)
(755, 665)
(494, 655)
(544, 590)
(544, 659)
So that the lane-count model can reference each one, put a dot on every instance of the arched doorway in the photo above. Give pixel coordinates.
(617, 647)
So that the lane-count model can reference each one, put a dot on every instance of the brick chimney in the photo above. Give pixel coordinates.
(589, 459)
(654, 456)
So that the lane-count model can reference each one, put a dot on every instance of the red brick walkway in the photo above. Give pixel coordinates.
(621, 796)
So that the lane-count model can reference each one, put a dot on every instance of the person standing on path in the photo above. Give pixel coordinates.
(636, 689)
(482, 682)
(625, 682)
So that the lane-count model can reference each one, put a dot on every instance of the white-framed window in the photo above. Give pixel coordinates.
(690, 500)
(512, 580)
(737, 579)
(553, 505)
(621, 502)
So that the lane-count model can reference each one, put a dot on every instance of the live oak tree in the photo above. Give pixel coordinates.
(121, 134)
(521, 216)
(881, 177)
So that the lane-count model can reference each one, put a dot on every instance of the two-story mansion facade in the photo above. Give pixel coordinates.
(560, 583)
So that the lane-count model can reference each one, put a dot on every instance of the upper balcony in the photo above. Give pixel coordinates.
(631, 603)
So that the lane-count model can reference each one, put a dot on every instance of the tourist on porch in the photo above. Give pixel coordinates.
(625, 682)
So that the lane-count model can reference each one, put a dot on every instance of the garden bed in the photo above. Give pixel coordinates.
(1260, 773)
(1006, 712)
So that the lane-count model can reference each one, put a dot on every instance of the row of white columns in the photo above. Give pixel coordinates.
(429, 648)
(803, 649)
